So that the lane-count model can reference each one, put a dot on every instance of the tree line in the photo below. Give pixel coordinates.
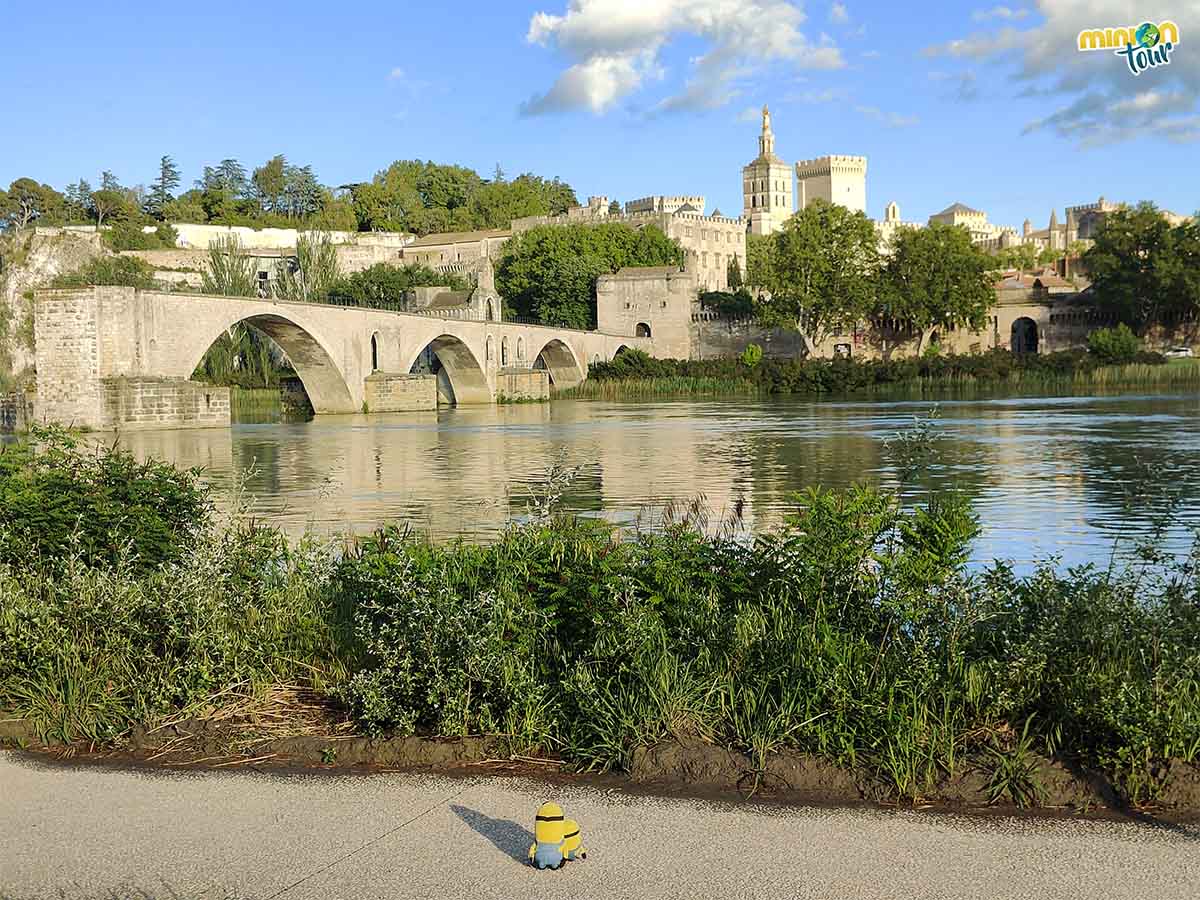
(409, 195)
(825, 271)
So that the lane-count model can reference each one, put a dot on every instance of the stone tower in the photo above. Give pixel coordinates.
(834, 179)
(767, 185)
(891, 212)
(1052, 234)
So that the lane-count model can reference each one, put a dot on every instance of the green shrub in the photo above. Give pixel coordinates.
(60, 501)
(1114, 346)
(130, 236)
(113, 271)
(752, 356)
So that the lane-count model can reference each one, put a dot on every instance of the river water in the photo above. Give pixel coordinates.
(1071, 477)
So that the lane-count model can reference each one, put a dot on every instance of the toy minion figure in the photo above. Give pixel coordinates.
(555, 838)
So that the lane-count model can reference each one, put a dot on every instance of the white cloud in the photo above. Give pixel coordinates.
(891, 120)
(963, 85)
(871, 54)
(839, 15)
(1089, 87)
(615, 46)
(396, 74)
(999, 12)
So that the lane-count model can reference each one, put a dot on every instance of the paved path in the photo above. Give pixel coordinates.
(94, 832)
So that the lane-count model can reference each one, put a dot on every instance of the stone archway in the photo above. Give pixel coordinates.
(322, 379)
(1024, 338)
(642, 330)
(468, 382)
(561, 364)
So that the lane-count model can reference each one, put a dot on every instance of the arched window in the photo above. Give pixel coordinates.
(504, 351)
(491, 312)
(491, 347)
(375, 353)
(642, 330)
(520, 348)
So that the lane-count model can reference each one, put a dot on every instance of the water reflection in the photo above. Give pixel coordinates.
(1061, 475)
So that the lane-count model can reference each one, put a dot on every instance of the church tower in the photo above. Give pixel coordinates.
(766, 185)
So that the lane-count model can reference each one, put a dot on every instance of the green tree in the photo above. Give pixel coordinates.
(186, 208)
(936, 278)
(549, 273)
(110, 205)
(270, 180)
(614, 208)
(758, 260)
(1143, 270)
(822, 274)
(314, 272)
(26, 201)
(77, 206)
(383, 286)
(733, 274)
(1022, 257)
(1114, 345)
(1049, 255)
(230, 271)
(162, 190)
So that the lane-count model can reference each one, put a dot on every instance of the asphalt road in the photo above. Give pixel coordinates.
(92, 832)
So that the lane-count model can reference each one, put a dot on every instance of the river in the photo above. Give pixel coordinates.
(1071, 477)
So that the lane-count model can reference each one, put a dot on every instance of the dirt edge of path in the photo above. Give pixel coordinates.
(687, 767)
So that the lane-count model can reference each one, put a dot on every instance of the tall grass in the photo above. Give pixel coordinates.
(668, 386)
(636, 375)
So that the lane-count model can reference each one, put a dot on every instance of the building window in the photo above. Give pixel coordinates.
(504, 352)
(520, 348)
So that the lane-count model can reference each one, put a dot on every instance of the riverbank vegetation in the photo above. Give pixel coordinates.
(854, 633)
(635, 374)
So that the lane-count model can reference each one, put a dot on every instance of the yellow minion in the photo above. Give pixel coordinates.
(555, 838)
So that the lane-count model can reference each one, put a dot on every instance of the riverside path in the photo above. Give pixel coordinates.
(91, 832)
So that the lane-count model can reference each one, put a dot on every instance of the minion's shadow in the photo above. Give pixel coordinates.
(508, 837)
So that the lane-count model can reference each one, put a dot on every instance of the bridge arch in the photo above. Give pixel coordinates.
(467, 378)
(561, 363)
(322, 379)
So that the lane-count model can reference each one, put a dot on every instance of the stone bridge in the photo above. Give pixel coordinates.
(119, 357)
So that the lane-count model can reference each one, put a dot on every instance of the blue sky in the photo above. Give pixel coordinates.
(988, 104)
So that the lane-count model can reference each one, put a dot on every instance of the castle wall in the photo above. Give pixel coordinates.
(713, 337)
